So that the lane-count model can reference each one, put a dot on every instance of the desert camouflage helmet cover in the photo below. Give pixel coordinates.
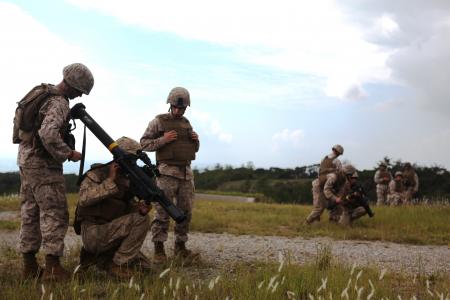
(179, 97)
(398, 173)
(79, 77)
(128, 145)
(349, 170)
(338, 148)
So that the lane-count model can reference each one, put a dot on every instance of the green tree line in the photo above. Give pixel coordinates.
(294, 185)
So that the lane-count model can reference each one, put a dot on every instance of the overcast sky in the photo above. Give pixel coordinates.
(277, 83)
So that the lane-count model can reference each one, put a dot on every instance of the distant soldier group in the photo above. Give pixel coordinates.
(112, 224)
(398, 190)
(335, 189)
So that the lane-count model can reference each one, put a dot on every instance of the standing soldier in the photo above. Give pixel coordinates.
(410, 181)
(396, 194)
(175, 143)
(42, 151)
(328, 165)
(382, 178)
(110, 219)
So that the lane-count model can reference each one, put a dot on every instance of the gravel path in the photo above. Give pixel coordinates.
(226, 248)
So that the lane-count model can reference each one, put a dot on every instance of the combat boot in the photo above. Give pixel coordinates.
(53, 270)
(87, 259)
(159, 256)
(181, 251)
(31, 268)
(119, 271)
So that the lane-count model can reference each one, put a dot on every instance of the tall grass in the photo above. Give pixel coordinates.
(416, 224)
(321, 279)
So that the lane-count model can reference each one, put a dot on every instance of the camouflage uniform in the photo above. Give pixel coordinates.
(177, 182)
(382, 179)
(319, 201)
(411, 183)
(44, 211)
(337, 185)
(396, 194)
(109, 218)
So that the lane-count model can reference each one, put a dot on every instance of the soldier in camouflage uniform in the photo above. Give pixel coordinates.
(328, 165)
(111, 221)
(346, 199)
(175, 143)
(44, 214)
(397, 190)
(410, 181)
(382, 178)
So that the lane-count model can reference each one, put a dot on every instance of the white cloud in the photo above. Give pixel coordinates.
(287, 138)
(303, 36)
(210, 126)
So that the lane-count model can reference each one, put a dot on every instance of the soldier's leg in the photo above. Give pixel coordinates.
(358, 213)
(345, 218)
(30, 233)
(335, 214)
(319, 204)
(385, 194)
(380, 195)
(126, 233)
(184, 202)
(160, 224)
(54, 215)
(407, 196)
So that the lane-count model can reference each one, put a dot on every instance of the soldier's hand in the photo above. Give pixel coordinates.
(170, 136)
(194, 136)
(338, 200)
(114, 170)
(144, 208)
(74, 156)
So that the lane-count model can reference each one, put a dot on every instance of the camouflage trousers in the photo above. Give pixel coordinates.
(43, 211)
(382, 192)
(396, 199)
(126, 234)
(409, 194)
(350, 214)
(320, 203)
(181, 192)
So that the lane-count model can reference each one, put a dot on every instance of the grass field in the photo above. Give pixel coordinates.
(321, 279)
(421, 224)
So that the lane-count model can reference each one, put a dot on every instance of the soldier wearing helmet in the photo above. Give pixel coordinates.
(171, 136)
(42, 151)
(113, 225)
(397, 190)
(328, 165)
(338, 189)
(410, 181)
(382, 178)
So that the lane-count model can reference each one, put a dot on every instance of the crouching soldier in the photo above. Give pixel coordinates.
(337, 187)
(113, 226)
(396, 190)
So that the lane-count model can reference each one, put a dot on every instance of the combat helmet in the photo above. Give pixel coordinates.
(129, 145)
(349, 170)
(398, 173)
(338, 148)
(179, 97)
(79, 77)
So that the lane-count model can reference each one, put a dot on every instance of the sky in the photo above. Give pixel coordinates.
(276, 83)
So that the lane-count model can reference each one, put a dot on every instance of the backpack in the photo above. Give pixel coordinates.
(26, 118)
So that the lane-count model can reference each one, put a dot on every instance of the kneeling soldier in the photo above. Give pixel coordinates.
(111, 221)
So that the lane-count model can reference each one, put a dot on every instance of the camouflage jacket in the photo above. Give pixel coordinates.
(379, 175)
(51, 152)
(152, 140)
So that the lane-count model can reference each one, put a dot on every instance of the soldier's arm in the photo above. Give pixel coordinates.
(416, 181)
(328, 187)
(152, 140)
(93, 190)
(392, 187)
(377, 178)
(50, 130)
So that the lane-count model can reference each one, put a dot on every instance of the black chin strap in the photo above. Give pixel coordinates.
(83, 155)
